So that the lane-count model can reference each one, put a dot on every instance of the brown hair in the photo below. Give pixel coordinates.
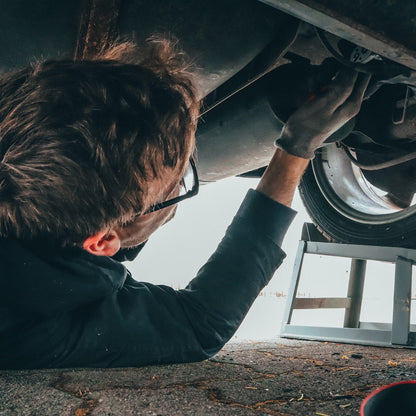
(80, 140)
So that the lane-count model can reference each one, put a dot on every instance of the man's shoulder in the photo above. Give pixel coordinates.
(48, 280)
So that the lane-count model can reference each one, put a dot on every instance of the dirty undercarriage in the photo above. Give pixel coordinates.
(257, 62)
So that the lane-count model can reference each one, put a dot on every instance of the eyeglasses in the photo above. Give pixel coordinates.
(188, 187)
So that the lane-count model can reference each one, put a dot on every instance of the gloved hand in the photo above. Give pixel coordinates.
(309, 126)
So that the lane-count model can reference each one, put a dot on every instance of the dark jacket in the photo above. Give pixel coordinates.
(68, 308)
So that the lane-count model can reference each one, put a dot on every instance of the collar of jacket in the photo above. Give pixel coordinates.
(43, 282)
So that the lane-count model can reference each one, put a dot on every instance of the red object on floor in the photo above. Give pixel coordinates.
(392, 400)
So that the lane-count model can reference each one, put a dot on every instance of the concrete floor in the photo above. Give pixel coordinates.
(280, 378)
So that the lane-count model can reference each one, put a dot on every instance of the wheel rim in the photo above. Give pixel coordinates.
(345, 188)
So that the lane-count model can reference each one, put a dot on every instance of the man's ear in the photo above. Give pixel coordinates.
(104, 243)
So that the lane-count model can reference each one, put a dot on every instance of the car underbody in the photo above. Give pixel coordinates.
(255, 63)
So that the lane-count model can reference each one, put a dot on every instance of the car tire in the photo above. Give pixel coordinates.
(339, 221)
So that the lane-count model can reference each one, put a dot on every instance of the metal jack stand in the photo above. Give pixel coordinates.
(398, 333)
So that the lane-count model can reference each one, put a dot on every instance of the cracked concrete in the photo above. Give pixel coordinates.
(281, 378)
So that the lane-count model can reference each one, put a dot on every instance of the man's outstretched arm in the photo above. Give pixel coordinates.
(306, 131)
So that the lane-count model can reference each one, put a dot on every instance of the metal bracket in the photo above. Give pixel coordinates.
(398, 333)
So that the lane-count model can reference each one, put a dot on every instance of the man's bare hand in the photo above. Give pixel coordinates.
(310, 125)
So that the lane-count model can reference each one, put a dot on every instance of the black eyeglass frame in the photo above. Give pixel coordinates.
(194, 191)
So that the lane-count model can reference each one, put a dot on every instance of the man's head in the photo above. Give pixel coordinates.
(85, 146)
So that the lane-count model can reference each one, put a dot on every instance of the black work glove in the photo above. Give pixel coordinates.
(308, 127)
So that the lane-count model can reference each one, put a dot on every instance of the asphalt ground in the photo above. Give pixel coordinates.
(280, 378)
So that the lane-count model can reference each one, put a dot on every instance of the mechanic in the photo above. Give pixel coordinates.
(94, 157)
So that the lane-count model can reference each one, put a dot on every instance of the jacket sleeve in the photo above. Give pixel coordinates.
(141, 323)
